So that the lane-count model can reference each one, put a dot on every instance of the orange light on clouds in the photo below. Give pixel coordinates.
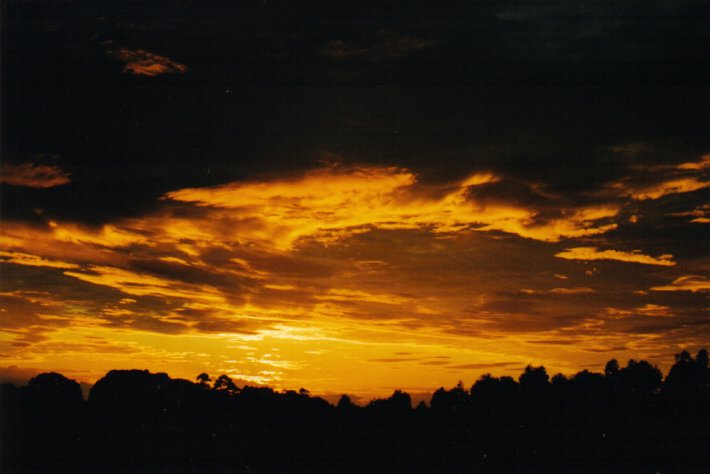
(592, 253)
(330, 203)
(143, 63)
(357, 279)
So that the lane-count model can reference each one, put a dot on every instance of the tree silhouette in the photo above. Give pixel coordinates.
(611, 368)
(450, 402)
(135, 420)
(224, 383)
(204, 379)
(344, 403)
(534, 379)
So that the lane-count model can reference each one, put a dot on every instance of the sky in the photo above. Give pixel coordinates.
(352, 197)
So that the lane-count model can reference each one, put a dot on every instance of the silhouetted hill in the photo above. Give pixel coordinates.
(624, 419)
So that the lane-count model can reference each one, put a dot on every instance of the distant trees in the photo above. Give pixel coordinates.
(52, 394)
(345, 403)
(689, 375)
(534, 380)
(137, 420)
(203, 379)
(397, 406)
(450, 402)
(224, 383)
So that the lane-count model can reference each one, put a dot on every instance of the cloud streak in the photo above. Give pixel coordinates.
(329, 203)
(593, 253)
(692, 283)
(139, 62)
(335, 267)
(33, 175)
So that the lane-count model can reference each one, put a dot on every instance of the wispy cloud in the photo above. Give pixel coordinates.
(593, 253)
(649, 182)
(654, 310)
(143, 63)
(380, 49)
(363, 262)
(693, 283)
(20, 258)
(32, 175)
(329, 203)
(577, 290)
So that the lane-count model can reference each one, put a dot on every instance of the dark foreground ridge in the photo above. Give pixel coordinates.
(626, 419)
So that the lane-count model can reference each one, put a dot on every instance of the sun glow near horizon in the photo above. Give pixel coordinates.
(357, 279)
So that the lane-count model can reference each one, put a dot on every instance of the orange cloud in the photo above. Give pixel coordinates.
(329, 203)
(693, 283)
(675, 186)
(32, 175)
(301, 279)
(654, 310)
(143, 63)
(654, 182)
(592, 253)
(577, 290)
(702, 164)
(700, 214)
(132, 283)
(33, 260)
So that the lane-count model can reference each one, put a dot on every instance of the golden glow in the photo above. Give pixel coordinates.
(654, 310)
(33, 260)
(702, 164)
(684, 185)
(136, 284)
(693, 283)
(572, 291)
(654, 182)
(331, 203)
(361, 279)
(592, 253)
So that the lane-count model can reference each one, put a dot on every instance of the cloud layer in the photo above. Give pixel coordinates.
(352, 260)
(32, 175)
(294, 192)
(143, 63)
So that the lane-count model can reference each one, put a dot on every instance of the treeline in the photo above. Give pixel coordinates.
(626, 418)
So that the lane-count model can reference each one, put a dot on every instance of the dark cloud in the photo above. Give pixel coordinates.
(501, 86)
(390, 46)
(143, 63)
(32, 175)
(608, 349)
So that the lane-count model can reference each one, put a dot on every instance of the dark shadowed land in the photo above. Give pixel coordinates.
(624, 419)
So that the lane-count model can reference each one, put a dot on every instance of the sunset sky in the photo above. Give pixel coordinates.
(352, 196)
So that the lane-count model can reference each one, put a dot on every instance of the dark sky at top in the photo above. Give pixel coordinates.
(536, 90)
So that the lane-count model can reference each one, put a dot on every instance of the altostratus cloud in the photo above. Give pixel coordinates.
(593, 253)
(329, 203)
(693, 283)
(32, 175)
(386, 48)
(143, 63)
(654, 182)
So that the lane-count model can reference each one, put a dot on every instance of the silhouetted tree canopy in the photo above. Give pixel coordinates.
(534, 379)
(203, 379)
(135, 420)
(224, 383)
